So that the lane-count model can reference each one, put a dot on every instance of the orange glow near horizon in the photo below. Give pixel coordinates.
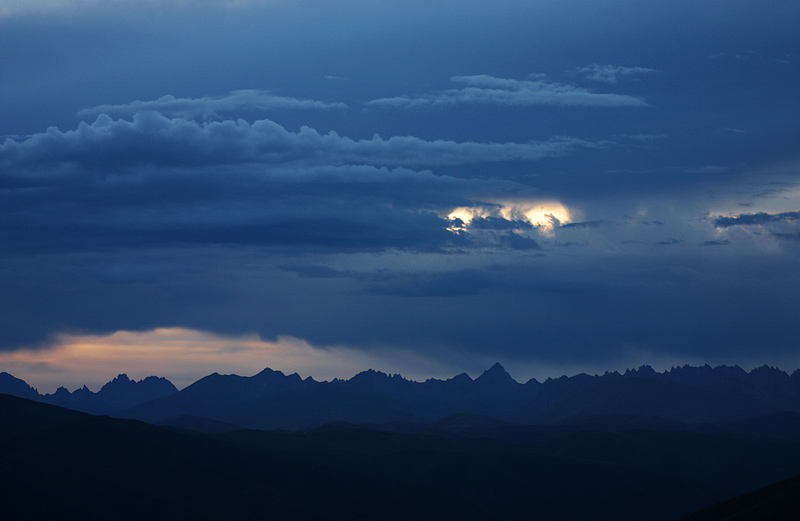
(184, 355)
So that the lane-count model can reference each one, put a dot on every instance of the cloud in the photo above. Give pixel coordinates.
(515, 93)
(348, 208)
(584, 224)
(209, 106)
(783, 226)
(152, 138)
(154, 180)
(612, 73)
(518, 241)
(760, 218)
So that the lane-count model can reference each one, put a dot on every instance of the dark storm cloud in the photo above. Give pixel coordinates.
(784, 226)
(158, 180)
(501, 91)
(518, 242)
(152, 138)
(313, 207)
(759, 218)
(583, 224)
(498, 223)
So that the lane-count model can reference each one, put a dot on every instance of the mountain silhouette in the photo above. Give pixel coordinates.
(119, 394)
(273, 400)
(16, 387)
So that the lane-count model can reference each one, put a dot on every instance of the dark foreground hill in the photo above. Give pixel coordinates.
(60, 464)
(777, 502)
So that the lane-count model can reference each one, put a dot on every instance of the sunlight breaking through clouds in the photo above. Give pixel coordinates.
(544, 215)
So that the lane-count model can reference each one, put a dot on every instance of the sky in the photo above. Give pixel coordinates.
(424, 188)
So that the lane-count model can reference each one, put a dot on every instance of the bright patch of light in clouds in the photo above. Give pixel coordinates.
(183, 356)
(542, 214)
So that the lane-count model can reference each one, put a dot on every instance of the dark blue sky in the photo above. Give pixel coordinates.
(566, 185)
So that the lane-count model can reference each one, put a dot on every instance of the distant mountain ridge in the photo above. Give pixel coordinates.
(274, 400)
(119, 394)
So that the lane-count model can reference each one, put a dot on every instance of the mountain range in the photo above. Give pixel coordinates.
(618, 446)
(273, 400)
(117, 395)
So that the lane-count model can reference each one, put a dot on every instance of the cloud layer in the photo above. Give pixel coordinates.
(611, 74)
(514, 93)
(208, 106)
(158, 180)
(152, 138)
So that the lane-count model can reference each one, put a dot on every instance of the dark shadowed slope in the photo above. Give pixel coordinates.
(706, 468)
(60, 464)
(778, 502)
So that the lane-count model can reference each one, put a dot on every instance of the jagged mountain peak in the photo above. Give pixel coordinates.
(496, 373)
(267, 372)
(271, 375)
(152, 384)
(120, 381)
(10, 384)
(643, 371)
(370, 375)
(60, 391)
(768, 369)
